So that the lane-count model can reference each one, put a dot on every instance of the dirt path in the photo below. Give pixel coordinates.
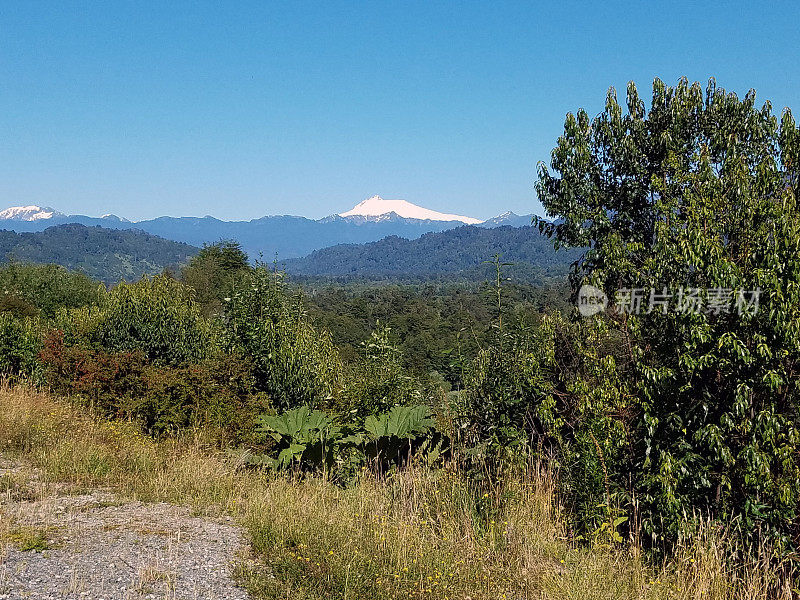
(91, 546)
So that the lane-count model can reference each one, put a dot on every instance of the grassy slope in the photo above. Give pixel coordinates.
(420, 534)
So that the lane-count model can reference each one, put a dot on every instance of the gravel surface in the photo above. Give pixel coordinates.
(98, 548)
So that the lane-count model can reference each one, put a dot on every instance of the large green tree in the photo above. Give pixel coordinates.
(213, 271)
(682, 204)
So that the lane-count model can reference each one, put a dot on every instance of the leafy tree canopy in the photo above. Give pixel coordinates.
(700, 190)
(30, 290)
(212, 272)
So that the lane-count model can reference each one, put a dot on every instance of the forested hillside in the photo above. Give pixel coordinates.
(109, 255)
(455, 254)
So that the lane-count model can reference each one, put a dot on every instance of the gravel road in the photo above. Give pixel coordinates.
(94, 547)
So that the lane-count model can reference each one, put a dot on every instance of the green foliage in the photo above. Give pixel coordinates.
(701, 191)
(216, 393)
(606, 534)
(19, 347)
(145, 352)
(505, 387)
(29, 539)
(292, 362)
(393, 436)
(404, 422)
(17, 306)
(499, 279)
(379, 382)
(435, 328)
(310, 439)
(212, 273)
(30, 290)
(453, 255)
(555, 387)
(105, 380)
(156, 316)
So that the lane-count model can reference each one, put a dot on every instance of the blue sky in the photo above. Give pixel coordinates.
(244, 109)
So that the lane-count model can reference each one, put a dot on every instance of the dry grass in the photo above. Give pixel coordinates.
(152, 574)
(421, 533)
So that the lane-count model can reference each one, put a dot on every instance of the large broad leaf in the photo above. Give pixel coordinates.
(301, 425)
(287, 455)
(289, 423)
(402, 421)
(317, 421)
(355, 439)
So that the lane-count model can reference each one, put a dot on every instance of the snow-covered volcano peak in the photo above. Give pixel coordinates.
(28, 213)
(377, 206)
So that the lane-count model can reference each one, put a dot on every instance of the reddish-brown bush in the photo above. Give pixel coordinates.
(216, 393)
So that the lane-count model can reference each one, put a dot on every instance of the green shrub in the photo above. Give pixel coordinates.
(392, 437)
(105, 380)
(557, 390)
(156, 316)
(17, 306)
(31, 290)
(216, 393)
(506, 386)
(378, 381)
(307, 438)
(310, 439)
(211, 273)
(20, 342)
(293, 363)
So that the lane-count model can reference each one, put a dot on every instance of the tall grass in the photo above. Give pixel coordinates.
(420, 533)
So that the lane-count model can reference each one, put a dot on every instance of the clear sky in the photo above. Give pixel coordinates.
(240, 109)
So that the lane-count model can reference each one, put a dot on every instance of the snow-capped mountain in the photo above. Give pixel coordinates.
(509, 218)
(113, 217)
(376, 209)
(28, 213)
(273, 236)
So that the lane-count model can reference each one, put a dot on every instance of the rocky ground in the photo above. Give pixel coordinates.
(58, 542)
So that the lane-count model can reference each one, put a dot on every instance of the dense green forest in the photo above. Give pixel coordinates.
(107, 254)
(439, 329)
(457, 254)
(665, 424)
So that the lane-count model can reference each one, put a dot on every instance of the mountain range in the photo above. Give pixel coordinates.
(271, 237)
